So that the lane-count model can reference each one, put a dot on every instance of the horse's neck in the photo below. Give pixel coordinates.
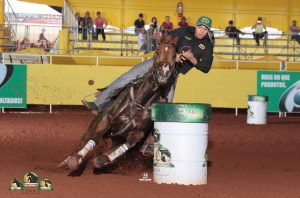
(146, 90)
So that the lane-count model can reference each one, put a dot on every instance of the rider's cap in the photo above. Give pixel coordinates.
(204, 20)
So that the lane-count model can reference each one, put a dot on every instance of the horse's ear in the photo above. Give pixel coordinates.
(158, 37)
(175, 39)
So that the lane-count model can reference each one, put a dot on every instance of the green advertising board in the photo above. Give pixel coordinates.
(13, 80)
(283, 89)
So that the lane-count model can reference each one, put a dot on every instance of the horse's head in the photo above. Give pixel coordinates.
(164, 60)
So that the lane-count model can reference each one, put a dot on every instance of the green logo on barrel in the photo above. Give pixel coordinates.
(181, 112)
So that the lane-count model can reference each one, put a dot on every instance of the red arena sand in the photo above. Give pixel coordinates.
(255, 161)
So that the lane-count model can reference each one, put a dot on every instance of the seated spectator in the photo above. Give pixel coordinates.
(139, 23)
(79, 20)
(23, 43)
(153, 31)
(101, 24)
(87, 25)
(167, 24)
(232, 32)
(143, 40)
(294, 31)
(182, 22)
(259, 32)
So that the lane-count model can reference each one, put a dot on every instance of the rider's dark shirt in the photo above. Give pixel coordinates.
(201, 48)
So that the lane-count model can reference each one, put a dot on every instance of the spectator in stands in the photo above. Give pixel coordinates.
(232, 32)
(143, 40)
(101, 24)
(295, 31)
(259, 32)
(182, 22)
(42, 41)
(153, 31)
(87, 25)
(23, 43)
(79, 20)
(167, 24)
(139, 23)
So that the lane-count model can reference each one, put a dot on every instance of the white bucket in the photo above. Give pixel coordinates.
(180, 146)
(257, 109)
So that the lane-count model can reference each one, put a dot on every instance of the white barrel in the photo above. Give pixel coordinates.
(257, 109)
(181, 136)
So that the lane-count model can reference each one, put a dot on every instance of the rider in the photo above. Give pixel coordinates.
(194, 49)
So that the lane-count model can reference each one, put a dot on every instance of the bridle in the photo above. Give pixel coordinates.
(165, 44)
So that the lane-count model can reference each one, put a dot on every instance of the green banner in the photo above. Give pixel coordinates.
(283, 89)
(13, 83)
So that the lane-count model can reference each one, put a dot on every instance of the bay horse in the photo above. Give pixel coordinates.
(129, 115)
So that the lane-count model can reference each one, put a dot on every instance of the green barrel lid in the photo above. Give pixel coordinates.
(258, 98)
(181, 112)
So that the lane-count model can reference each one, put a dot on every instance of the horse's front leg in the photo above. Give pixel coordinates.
(88, 141)
(108, 157)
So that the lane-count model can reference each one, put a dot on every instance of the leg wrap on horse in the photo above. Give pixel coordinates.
(88, 147)
(118, 152)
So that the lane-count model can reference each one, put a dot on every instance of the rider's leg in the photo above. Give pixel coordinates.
(148, 147)
(136, 72)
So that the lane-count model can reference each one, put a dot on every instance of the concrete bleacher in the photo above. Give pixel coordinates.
(283, 48)
(126, 45)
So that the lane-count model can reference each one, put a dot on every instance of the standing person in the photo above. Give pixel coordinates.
(295, 31)
(259, 32)
(182, 22)
(139, 23)
(42, 41)
(167, 24)
(232, 32)
(153, 31)
(143, 40)
(194, 49)
(101, 24)
(79, 20)
(87, 25)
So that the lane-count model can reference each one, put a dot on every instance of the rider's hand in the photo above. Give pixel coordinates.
(189, 56)
(179, 58)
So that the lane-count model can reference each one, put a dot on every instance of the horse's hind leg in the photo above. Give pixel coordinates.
(109, 157)
(88, 142)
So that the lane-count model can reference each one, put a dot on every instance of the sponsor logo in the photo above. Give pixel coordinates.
(191, 113)
(201, 46)
(6, 72)
(162, 155)
(290, 99)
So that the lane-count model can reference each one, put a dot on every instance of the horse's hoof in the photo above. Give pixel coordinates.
(101, 161)
(74, 161)
(63, 164)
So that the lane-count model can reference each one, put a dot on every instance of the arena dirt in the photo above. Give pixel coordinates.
(246, 160)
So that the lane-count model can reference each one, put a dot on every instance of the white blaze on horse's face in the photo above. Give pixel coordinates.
(165, 68)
